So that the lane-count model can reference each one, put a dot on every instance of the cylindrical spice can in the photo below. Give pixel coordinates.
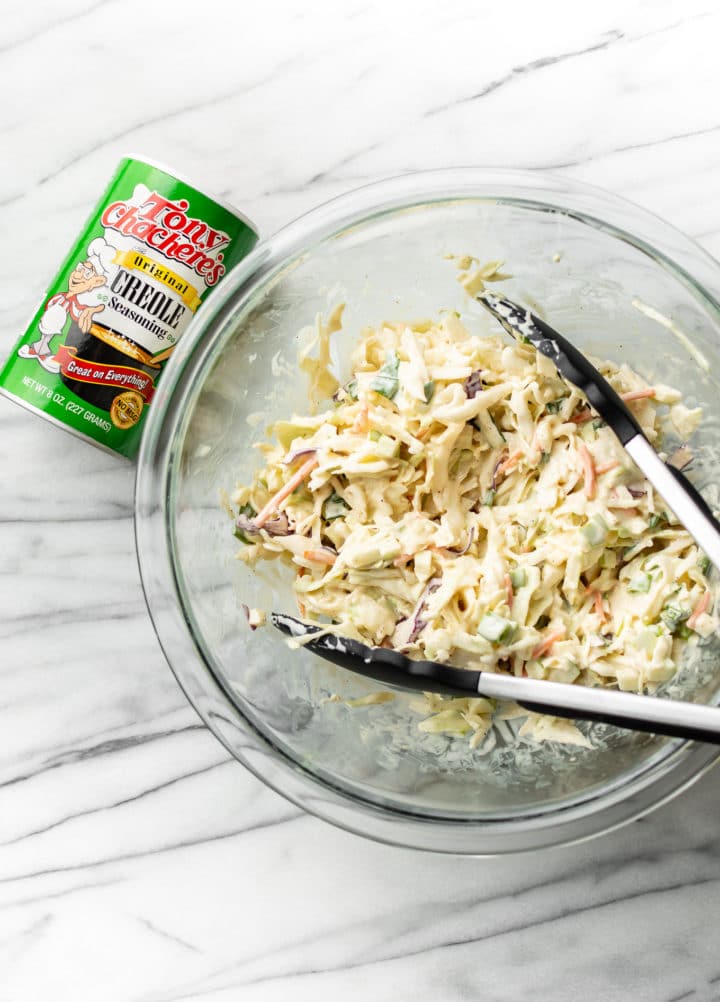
(152, 251)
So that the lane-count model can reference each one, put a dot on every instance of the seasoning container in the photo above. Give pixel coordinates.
(152, 251)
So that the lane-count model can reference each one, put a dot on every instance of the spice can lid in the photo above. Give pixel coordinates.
(171, 172)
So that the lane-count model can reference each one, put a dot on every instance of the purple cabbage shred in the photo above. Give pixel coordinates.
(473, 384)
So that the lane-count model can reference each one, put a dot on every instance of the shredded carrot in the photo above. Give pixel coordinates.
(638, 394)
(586, 414)
(545, 645)
(509, 462)
(295, 480)
(301, 609)
(320, 557)
(588, 470)
(403, 559)
(600, 607)
(362, 422)
(606, 467)
(509, 591)
(700, 607)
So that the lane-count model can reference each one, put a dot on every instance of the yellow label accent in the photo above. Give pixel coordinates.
(133, 260)
(126, 409)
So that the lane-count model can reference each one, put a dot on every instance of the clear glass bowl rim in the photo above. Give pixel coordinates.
(664, 776)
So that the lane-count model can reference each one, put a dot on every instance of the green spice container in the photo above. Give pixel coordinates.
(150, 254)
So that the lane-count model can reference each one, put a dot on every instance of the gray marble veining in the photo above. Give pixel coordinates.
(137, 863)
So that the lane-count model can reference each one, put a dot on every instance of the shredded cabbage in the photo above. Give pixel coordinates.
(461, 502)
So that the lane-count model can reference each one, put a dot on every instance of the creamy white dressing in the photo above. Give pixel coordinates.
(466, 507)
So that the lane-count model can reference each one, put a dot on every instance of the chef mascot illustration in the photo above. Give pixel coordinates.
(81, 303)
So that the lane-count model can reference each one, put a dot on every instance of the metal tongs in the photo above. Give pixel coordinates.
(684, 499)
(652, 714)
(622, 709)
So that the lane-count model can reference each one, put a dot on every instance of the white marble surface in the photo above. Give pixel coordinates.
(138, 864)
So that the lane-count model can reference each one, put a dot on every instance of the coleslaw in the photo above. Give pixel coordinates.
(459, 501)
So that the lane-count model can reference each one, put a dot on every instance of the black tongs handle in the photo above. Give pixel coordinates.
(570, 362)
(674, 718)
(685, 500)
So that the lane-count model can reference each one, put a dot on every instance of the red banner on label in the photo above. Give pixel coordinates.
(124, 377)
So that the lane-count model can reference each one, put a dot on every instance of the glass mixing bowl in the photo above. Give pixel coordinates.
(587, 258)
